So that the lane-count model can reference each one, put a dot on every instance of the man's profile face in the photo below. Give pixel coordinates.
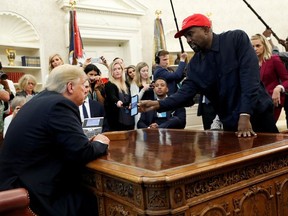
(80, 90)
(196, 38)
(164, 61)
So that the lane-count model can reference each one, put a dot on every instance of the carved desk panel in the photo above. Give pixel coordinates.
(191, 173)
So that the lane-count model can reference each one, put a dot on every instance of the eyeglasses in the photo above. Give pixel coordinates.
(31, 83)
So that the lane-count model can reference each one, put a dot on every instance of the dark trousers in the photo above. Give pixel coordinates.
(264, 122)
(75, 203)
(208, 114)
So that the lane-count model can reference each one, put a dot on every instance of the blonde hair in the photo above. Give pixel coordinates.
(138, 79)
(61, 75)
(23, 81)
(267, 46)
(50, 60)
(121, 85)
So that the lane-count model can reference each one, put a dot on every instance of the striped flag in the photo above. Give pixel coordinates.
(159, 37)
(76, 45)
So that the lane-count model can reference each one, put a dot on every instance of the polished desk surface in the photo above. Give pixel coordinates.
(145, 155)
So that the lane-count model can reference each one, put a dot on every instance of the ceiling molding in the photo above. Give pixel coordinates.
(125, 7)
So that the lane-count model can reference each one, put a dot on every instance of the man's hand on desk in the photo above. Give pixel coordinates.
(245, 127)
(101, 138)
(148, 105)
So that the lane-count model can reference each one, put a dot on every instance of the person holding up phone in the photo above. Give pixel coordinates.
(96, 91)
(171, 119)
(118, 99)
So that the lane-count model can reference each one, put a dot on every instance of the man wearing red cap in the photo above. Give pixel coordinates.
(225, 69)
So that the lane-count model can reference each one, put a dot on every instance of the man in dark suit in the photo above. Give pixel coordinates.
(225, 69)
(175, 118)
(93, 109)
(45, 149)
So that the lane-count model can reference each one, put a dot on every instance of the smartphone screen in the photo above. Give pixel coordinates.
(96, 60)
(134, 105)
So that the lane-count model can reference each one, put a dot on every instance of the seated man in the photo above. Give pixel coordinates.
(45, 149)
(92, 108)
(170, 119)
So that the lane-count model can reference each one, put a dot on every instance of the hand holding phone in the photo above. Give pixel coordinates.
(134, 105)
(96, 60)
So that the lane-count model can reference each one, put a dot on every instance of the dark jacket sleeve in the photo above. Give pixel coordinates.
(168, 76)
(145, 119)
(65, 125)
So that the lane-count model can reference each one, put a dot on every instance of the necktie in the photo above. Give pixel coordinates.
(85, 113)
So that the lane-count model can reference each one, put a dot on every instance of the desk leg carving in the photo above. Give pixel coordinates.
(282, 197)
(117, 210)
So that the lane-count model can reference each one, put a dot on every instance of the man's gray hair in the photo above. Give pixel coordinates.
(18, 101)
(61, 75)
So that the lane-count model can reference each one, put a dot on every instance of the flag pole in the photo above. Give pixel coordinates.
(175, 19)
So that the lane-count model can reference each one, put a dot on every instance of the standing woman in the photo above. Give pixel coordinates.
(96, 91)
(118, 99)
(27, 85)
(54, 61)
(130, 73)
(142, 81)
(141, 85)
(273, 73)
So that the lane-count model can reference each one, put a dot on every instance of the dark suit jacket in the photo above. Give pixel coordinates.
(176, 119)
(228, 75)
(45, 151)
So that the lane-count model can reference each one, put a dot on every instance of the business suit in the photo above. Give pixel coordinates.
(273, 73)
(52, 151)
(96, 110)
(228, 75)
(175, 119)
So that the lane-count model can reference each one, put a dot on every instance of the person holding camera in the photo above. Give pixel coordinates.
(117, 100)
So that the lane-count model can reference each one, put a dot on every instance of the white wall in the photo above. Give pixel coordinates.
(50, 21)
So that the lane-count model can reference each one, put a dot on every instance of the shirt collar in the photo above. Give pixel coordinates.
(86, 100)
(215, 43)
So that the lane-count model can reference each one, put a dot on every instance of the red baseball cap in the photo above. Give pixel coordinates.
(193, 20)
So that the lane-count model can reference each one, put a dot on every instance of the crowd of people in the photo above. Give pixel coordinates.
(243, 81)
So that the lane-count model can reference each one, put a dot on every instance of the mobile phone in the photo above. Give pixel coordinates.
(134, 105)
(96, 60)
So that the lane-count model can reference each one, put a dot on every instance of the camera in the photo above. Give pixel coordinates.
(3, 76)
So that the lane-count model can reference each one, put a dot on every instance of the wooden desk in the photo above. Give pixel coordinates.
(195, 173)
